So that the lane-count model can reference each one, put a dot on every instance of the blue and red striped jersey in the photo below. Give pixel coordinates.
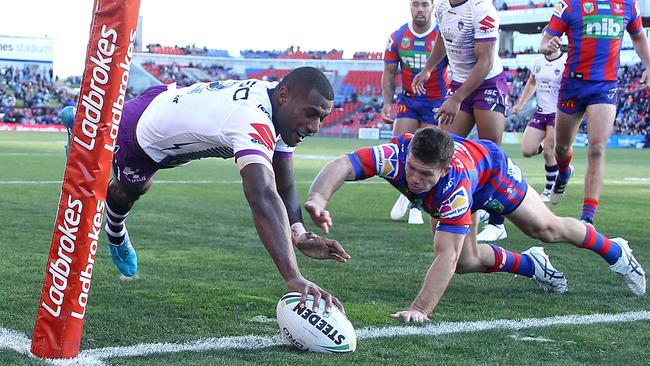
(411, 50)
(467, 186)
(595, 31)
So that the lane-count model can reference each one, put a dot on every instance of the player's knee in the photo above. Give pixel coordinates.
(562, 150)
(596, 150)
(528, 153)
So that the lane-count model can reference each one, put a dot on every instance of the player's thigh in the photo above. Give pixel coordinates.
(532, 215)
(405, 125)
(566, 127)
(462, 124)
(489, 124)
(530, 142)
(600, 120)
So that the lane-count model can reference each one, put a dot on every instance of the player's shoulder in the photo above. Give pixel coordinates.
(399, 32)
(481, 5)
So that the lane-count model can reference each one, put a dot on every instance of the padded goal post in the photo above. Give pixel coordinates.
(69, 268)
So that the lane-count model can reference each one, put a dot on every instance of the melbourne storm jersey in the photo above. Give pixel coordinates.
(411, 50)
(595, 31)
(480, 176)
(463, 25)
(548, 77)
(230, 118)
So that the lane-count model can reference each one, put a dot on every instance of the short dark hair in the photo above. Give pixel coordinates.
(432, 145)
(307, 78)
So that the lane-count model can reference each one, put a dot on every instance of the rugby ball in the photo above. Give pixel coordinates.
(315, 331)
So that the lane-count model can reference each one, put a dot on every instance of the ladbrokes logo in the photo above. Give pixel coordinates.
(603, 26)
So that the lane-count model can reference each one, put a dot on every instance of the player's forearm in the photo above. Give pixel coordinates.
(273, 229)
(291, 201)
(436, 282)
(641, 47)
(388, 87)
(330, 179)
(528, 91)
(437, 54)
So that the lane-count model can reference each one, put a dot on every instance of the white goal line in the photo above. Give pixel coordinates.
(14, 341)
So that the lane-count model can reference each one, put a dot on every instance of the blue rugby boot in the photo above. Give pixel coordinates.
(67, 118)
(124, 256)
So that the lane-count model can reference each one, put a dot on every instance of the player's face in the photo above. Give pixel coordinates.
(421, 177)
(301, 115)
(421, 12)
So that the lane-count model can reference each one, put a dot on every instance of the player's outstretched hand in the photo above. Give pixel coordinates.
(448, 110)
(517, 108)
(387, 113)
(419, 80)
(320, 216)
(318, 247)
(306, 287)
(415, 316)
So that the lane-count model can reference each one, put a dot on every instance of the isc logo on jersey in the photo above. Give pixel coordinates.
(456, 205)
(603, 26)
(386, 160)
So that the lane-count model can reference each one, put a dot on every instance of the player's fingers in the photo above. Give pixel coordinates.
(303, 297)
(317, 296)
(338, 250)
(338, 304)
(328, 301)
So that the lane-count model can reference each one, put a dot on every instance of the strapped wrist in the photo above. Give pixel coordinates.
(297, 232)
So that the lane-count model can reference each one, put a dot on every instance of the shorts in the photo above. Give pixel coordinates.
(503, 186)
(576, 95)
(541, 121)
(421, 109)
(131, 165)
(491, 95)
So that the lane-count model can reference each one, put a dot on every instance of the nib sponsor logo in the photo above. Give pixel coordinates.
(603, 26)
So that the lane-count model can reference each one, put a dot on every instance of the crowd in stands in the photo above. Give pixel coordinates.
(294, 53)
(186, 50)
(504, 5)
(30, 95)
(185, 75)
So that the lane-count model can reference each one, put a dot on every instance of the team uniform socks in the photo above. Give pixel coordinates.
(551, 174)
(564, 172)
(496, 219)
(115, 218)
(512, 262)
(597, 242)
(589, 207)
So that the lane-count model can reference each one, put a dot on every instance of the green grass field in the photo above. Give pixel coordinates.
(205, 274)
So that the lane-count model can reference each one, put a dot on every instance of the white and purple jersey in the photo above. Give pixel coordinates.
(230, 118)
(548, 76)
(463, 25)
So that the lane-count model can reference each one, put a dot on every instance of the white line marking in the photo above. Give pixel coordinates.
(626, 181)
(19, 343)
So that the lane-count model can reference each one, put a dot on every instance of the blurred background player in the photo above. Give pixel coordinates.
(589, 83)
(259, 124)
(409, 47)
(478, 95)
(539, 136)
(453, 177)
